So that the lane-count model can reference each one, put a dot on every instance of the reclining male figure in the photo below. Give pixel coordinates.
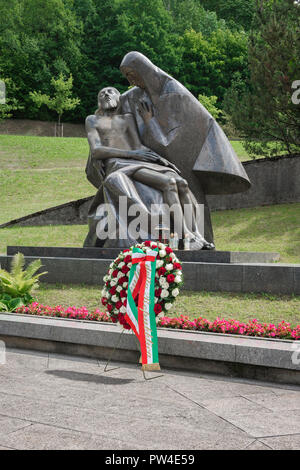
(114, 140)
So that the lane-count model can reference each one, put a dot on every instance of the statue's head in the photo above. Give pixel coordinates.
(108, 100)
(141, 72)
(133, 77)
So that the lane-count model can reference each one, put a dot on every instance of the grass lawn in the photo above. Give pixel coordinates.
(28, 152)
(240, 151)
(20, 152)
(24, 192)
(31, 152)
(269, 228)
(41, 172)
(264, 307)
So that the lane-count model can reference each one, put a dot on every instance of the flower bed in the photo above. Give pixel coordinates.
(252, 328)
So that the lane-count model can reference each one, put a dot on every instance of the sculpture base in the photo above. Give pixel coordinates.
(222, 276)
(111, 253)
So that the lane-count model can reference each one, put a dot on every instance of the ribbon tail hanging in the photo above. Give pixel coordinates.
(142, 317)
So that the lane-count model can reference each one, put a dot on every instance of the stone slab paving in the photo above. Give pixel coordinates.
(51, 401)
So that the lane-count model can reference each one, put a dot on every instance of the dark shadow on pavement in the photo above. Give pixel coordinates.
(83, 377)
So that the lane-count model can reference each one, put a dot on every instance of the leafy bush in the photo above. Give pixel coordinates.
(209, 102)
(16, 287)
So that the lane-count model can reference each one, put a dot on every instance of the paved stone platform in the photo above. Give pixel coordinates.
(50, 401)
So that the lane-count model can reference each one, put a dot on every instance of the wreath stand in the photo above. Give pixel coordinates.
(113, 352)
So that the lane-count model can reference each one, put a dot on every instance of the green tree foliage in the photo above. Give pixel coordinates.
(209, 65)
(209, 102)
(88, 39)
(190, 14)
(8, 103)
(114, 27)
(62, 99)
(41, 39)
(237, 13)
(266, 112)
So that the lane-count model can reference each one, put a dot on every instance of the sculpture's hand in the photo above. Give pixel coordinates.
(150, 156)
(166, 162)
(145, 110)
(144, 155)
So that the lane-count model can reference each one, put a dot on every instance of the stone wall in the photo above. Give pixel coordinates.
(274, 181)
(39, 128)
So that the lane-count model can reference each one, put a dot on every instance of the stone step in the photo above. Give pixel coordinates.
(275, 278)
(112, 253)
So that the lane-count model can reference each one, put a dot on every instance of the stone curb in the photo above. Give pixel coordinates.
(223, 354)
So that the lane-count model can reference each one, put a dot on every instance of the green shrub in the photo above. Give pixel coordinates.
(209, 102)
(17, 286)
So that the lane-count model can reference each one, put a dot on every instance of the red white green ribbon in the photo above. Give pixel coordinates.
(141, 317)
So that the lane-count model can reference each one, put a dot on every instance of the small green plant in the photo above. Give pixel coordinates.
(62, 99)
(17, 286)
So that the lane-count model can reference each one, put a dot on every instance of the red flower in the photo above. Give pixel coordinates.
(121, 280)
(113, 319)
(125, 251)
(104, 300)
(170, 278)
(154, 246)
(162, 271)
(177, 266)
(123, 322)
(123, 293)
(157, 292)
(115, 273)
(157, 308)
(109, 307)
(113, 290)
(127, 259)
(125, 269)
(119, 304)
(169, 250)
(147, 243)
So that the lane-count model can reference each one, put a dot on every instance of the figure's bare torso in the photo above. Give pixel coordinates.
(115, 131)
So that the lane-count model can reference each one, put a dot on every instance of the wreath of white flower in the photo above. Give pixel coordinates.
(168, 280)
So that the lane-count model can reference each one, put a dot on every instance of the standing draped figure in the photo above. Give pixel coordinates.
(173, 123)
